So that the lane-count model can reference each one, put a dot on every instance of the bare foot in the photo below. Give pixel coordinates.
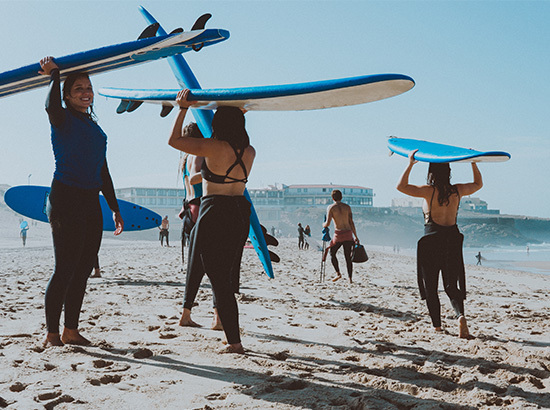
(233, 348)
(53, 339)
(334, 279)
(216, 323)
(73, 337)
(463, 332)
(97, 273)
(438, 329)
(186, 319)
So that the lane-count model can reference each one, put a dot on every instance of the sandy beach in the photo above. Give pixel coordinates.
(310, 344)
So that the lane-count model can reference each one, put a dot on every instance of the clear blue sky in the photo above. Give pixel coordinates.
(481, 71)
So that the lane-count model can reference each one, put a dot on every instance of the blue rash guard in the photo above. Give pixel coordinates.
(79, 146)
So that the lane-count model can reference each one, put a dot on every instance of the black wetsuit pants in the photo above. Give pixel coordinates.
(216, 247)
(77, 226)
(348, 249)
(441, 251)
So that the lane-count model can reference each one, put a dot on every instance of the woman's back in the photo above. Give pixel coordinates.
(225, 158)
(445, 214)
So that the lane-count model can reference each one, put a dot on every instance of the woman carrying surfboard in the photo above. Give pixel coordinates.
(440, 249)
(220, 233)
(73, 208)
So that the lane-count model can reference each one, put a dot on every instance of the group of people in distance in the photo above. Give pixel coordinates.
(216, 212)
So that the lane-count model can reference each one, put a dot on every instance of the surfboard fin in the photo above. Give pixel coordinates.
(123, 106)
(201, 22)
(177, 30)
(271, 240)
(150, 31)
(274, 257)
(166, 109)
(134, 105)
(199, 25)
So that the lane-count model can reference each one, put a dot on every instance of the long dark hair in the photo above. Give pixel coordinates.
(191, 130)
(228, 125)
(439, 176)
(68, 85)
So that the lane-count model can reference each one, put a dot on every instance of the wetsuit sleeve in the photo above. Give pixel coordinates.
(55, 110)
(108, 189)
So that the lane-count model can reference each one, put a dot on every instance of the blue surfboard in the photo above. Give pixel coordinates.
(111, 58)
(185, 77)
(31, 201)
(439, 153)
(287, 97)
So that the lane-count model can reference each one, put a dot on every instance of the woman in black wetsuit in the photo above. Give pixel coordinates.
(440, 249)
(79, 147)
(220, 233)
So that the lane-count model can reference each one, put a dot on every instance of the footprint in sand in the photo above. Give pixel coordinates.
(18, 387)
(62, 399)
(216, 396)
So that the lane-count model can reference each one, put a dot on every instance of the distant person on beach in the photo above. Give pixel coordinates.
(344, 233)
(73, 209)
(478, 257)
(440, 249)
(220, 234)
(164, 226)
(192, 181)
(300, 236)
(23, 232)
(307, 233)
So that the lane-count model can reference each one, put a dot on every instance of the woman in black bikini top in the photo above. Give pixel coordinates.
(218, 238)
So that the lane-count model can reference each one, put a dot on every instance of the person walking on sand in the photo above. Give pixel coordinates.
(307, 233)
(23, 232)
(220, 233)
(192, 180)
(73, 209)
(301, 232)
(164, 226)
(344, 233)
(440, 249)
(478, 257)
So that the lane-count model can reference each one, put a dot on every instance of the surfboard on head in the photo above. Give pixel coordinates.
(31, 201)
(185, 78)
(439, 153)
(314, 95)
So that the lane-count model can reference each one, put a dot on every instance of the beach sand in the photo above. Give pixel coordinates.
(309, 344)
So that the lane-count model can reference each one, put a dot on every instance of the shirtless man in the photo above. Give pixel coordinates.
(344, 232)
(164, 226)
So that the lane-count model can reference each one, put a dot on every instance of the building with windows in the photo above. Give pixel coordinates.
(413, 206)
(269, 202)
(300, 196)
(165, 201)
(274, 200)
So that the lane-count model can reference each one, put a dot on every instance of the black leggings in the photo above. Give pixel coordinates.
(77, 225)
(348, 249)
(217, 242)
(441, 251)
(431, 279)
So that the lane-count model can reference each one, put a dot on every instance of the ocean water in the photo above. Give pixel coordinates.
(535, 258)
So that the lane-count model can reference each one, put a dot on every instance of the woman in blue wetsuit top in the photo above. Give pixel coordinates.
(79, 147)
(440, 249)
(218, 238)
